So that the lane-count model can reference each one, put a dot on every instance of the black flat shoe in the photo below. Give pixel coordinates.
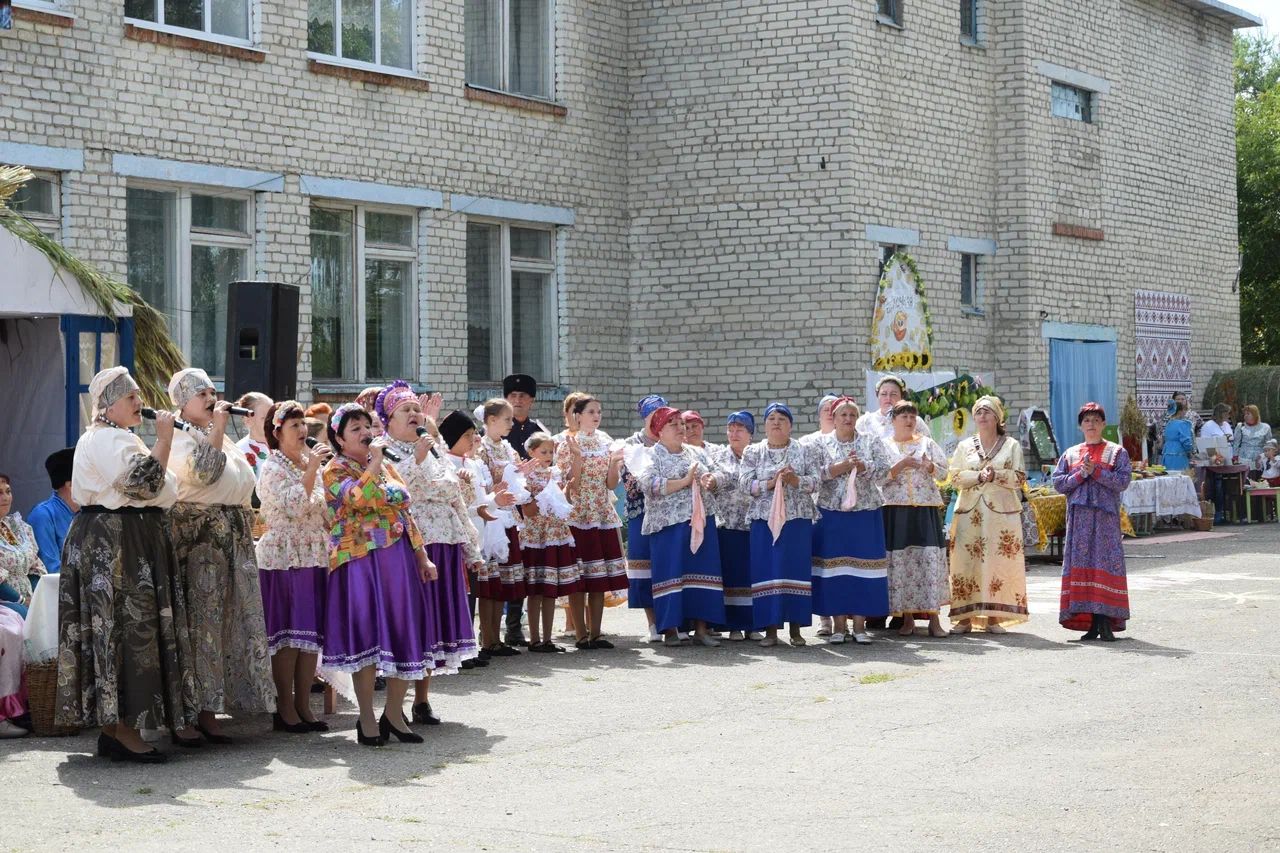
(540, 648)
(379, 683)
(317, 725)
(599, 643)
(278, 724)
(376, 740)
(516, 640)
(583, 644)
(422, 713)
(386, 730)
(1091, 635)
(483, 655)
(187, 742)
(109, 747)
(469, 663)
(221, 740)
(503, 652)
(481, 663)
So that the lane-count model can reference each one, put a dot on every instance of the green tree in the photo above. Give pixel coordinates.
(1257, 108)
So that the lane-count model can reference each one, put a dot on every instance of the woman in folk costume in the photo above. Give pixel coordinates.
(293, 562)
(733, 530)
(781, 477)
(546, 541)
(889, 390)
(913, 524)
(376, 618)
(988, 568)
(850, 564)
(1095, 587)
(639, 577)
(683, 548)
(212, 530)
(452, 542)
(504, 578)
(124, 662)
(591, 471)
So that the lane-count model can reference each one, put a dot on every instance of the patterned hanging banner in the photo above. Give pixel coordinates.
(1162, 324)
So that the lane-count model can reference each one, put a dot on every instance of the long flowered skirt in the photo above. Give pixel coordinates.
(218, 574)
(453, 637)
(376, 615)
(1094, 579)
(293, 606)
(735, 568)
(604, 569)
(13, 689)
(988, 567)
(850, 565)
(782, 574)
(121, 655)
(918, 581)
(686, 586)
(504, 581)
(639, 571)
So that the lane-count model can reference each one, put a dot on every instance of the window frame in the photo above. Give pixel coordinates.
(889, 12)
(336, 58)
(205, 34)
(359, 313)
(501, 304)
(1087, 108)
(970, 262)
(504, 56)
(184, 234)
(973, 8)
(48, 224)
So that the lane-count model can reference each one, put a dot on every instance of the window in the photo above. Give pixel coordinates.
(887, 251)
(376, 32)
(510, 46)
(39, 200)
(1072, 102)
(184, 247)
(970, 290)
(512, 324)
(362, 325)
(889, 11)
(228, 18)
(969, 20)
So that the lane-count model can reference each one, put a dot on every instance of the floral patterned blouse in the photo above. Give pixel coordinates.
(631, 487)
(829, 450)
(297, 523)
(593, 499)
(731, 501)
(663, 510)
(911, 486)
(19, 555)
(543, 530)
(438, 507)
(366, 513)
(760, 462)
(496, 456)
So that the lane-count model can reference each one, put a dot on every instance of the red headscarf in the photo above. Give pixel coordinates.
(691, 415)
(661, 418)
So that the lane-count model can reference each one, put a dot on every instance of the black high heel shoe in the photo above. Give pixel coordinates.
(386, 730)
(376, 740)
(221, 740)
(422, 713)
(278, 724)
(109, 747)
(317, 725)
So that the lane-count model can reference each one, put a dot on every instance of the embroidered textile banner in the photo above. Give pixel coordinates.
(1162, 323)
(901, 335)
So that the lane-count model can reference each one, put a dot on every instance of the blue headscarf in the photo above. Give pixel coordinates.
(775, 406)
(827, 398)
(745, 418)
(648, 405)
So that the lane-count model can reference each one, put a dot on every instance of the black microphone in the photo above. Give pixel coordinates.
(423, 431)
(387, 454)
(241, 411)
(150, 414)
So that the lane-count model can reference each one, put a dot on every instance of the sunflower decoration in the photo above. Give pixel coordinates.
(958, 421)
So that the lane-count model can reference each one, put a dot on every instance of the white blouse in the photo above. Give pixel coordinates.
(207, 475)
(113, 468)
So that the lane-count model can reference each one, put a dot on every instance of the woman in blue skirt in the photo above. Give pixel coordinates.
(684, 553)
(850, 565)
(639, 575)
(732, 527)
(781, 542)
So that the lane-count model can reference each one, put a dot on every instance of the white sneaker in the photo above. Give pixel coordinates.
(736, 636)
(709, 641)
(754, 635)
(862, 638)
(9, 730)
(836, 639)
(682, 635)
(824, 626)
(654, 636)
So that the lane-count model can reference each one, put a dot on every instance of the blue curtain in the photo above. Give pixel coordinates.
(1080, 371)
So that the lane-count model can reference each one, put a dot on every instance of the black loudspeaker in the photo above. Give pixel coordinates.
(262, 339)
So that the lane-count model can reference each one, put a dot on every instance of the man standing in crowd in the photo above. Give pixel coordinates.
(51, 519)
(521, 391)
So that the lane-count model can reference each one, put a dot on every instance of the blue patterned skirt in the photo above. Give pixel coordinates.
(639, 574)
(735, 568)
(686, 586)
(782, 574)
(850, 565)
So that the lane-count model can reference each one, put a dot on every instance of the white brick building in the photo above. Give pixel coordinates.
(688, 197)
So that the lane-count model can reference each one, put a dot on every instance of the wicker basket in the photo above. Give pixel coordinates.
(42, 696)
(1205, 522)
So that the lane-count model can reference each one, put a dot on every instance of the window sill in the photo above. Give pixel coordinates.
(50, 15)
(519, 102)
(360, 72)
(965, 41)
(970, 311)
(889, 22)
(192, 40)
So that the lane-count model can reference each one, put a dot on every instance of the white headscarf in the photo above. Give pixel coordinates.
(109, 386)
(187, 383)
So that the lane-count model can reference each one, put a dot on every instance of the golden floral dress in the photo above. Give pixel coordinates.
(988, 568)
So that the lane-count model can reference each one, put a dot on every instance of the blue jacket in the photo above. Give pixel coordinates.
(50, 520)
(1178, 445)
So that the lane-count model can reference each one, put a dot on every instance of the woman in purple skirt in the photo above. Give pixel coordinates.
(442, 517)
(376, 619)
(293, 556)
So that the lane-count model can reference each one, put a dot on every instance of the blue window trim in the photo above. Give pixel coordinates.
(72, 326)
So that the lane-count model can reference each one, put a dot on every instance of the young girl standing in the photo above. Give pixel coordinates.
(550, 561)
(505, 581)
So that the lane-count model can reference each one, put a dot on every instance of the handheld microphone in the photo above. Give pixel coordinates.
(150, 414)
(423, 431)
(241, 411)
(311, 442)
(388, 454)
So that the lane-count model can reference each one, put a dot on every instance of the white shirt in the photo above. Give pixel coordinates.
(233, 487)
(1213, 429)
(105, 457)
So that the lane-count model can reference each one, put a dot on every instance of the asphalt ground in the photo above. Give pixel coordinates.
(1166, 740)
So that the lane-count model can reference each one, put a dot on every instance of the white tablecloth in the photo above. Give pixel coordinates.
(1172, 494)
(40, 633)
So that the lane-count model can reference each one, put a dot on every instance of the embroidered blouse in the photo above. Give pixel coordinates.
(1102, 489)
(875, 423)
(365, 513)
(873, 452)
(542, 529)
(592, 499)
(254, 452)
(496, 456)
(19, 555)
(760, 462)
(731, 501)
(663, 510)
(477, 491)
(113, 469)
(912, 486)
(297, 523)
(210, 475)
(1003, 494)
(438, 507)
(631, 487)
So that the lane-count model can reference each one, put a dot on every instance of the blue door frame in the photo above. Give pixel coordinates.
(73, 325)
